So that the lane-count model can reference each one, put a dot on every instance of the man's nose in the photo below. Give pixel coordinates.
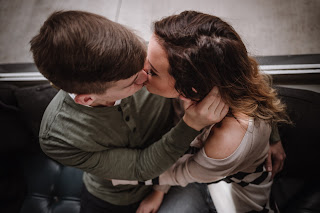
(143, 77)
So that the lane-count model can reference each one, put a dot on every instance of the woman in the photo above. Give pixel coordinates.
(189, 54)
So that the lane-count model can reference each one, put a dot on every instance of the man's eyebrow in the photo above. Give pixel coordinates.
(154, 69)
(132, 81)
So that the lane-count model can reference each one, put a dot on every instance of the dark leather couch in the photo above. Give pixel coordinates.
(30, 182)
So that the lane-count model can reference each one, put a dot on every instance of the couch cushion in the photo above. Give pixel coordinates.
(32, 102)
(15, 136)
(52, 187)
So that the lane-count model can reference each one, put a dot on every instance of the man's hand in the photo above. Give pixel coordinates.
(276, 156)
(151, 203)
(209, 111)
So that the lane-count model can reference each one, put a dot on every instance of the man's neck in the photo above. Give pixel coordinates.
(107, 104)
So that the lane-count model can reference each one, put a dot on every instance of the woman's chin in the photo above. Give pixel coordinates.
(148, 88)
(152, 91)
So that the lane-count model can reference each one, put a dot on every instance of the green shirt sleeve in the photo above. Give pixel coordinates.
(125, 163)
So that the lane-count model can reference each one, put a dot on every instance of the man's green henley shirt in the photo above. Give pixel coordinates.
(126, 141)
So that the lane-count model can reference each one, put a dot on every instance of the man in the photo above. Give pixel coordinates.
(102, 121)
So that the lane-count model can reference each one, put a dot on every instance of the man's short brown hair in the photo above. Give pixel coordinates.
(80, 52)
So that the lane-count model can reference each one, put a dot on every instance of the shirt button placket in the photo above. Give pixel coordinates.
(131, 123)
(126, 113)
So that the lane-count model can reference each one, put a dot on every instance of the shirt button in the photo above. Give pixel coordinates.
(127, 118)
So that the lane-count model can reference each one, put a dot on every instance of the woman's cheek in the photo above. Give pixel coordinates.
(150, 87)
(149, 78)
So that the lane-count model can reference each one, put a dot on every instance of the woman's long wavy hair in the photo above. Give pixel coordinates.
(205, 51)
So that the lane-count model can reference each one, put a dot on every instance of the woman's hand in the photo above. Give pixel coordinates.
(151, 203)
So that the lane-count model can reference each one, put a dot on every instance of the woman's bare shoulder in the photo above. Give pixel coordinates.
(224, 139)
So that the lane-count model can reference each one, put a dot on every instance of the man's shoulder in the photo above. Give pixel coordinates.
(58, 98)
(51, 116)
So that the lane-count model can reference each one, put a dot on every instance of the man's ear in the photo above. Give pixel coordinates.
(84, 99)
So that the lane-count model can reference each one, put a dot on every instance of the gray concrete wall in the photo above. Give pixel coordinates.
(268, 27)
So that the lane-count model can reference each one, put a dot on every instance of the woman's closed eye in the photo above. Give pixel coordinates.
(151, 72)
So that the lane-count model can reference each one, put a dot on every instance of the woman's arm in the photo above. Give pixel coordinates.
(204, 166)
(207, 165)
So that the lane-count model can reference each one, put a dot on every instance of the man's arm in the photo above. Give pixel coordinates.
(276, 154)
(128, 163)
(140, 164)
(276, 157)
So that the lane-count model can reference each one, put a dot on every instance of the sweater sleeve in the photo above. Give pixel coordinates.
(188, 169)
(124, 163)
(193, 168)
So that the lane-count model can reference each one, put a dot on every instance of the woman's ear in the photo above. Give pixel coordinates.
(84, 99)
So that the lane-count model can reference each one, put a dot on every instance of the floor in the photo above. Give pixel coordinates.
(271, 27)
